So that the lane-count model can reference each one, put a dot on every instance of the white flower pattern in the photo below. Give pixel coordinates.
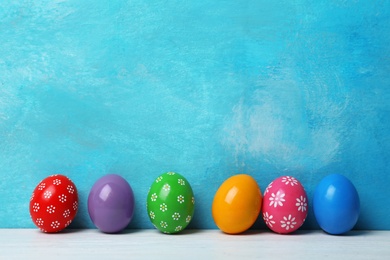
(41, 186)
(57, 182)
(268, 188)
(163, 207)
(288, 222)
(289, 180)
(277, 200)
(62, 198)
(51, 209)
(166, 187)
(47, 194)
(70, 189)
(55, 224)
(178, 228)
(268, 219)
(181, 182)
(36, 207)
(153, 197)
(301, 204)
(176, 216)
(180, 199)
(75, 205)
(66, 213)
(39, 222)
(163, 224)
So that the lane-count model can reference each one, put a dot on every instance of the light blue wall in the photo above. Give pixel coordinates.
(204, 88)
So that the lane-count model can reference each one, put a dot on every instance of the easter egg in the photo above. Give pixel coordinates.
(284, 205)
(336, 204)
(111, 203)
(54, 203)
(170, 203)
(237, 203)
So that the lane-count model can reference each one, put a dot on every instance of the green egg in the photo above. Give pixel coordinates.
(170, 203)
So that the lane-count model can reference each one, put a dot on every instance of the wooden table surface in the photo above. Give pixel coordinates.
(192, 244)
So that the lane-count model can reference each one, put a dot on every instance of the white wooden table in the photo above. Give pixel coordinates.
(192, 244)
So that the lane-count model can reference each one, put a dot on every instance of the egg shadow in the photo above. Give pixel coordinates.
(119, 233)
(72, 230)
(250, 232)
(300, 232)
(62, 232)
(185, 232)
(128, 231)
(352, 233)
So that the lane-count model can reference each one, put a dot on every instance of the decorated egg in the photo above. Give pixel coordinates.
(54, 203)
(284, 205)
(170, 203)
(111, 203)
(336, 204)
(237, 204)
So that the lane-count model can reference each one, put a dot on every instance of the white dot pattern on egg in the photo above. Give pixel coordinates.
(54, 203)
(170, 203)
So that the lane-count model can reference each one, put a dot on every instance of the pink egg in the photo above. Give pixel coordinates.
(284, 205)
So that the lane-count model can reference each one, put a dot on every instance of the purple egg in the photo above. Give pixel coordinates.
(111, 203)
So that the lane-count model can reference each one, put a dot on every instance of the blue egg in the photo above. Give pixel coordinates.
(336, 204)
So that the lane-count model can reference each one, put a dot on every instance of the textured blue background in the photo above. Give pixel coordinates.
(204, 88)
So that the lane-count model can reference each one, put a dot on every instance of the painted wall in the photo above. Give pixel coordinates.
(204, 88)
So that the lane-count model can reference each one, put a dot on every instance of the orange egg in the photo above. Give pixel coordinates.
(237, 204)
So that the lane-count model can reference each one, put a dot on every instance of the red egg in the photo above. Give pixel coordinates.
(54, 203)
(284, 205)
